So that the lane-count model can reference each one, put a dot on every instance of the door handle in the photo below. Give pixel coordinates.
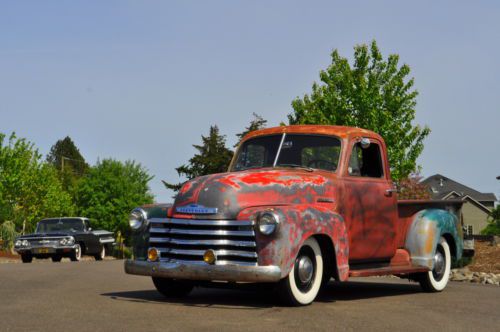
(389, 192)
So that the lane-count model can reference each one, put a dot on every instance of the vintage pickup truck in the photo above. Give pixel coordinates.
(70, 237)
(299, 205)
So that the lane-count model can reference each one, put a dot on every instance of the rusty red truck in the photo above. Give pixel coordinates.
(298, 206)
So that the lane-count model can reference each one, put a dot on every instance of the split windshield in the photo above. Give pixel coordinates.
(56, 225)
(304, 151)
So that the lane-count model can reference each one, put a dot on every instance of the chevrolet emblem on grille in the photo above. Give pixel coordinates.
(196, 209)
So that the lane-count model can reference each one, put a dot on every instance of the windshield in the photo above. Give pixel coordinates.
(309, 151)
(56, 225)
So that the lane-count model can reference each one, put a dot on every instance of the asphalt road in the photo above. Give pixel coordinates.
(99, 296)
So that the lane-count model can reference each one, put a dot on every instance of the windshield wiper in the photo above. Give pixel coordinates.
(309, 169)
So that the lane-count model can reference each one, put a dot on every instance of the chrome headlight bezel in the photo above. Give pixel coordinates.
(137, 219)
(67, 241)
(18, 243)
(268, 222)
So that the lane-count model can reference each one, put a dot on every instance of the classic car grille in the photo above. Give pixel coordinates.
(188, 239)
(52, 242)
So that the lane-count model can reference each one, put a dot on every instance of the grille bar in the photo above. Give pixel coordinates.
(187, 240)
(201, 252)
(199, 242)
(201, 232)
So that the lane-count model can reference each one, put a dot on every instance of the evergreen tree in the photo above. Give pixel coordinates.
(374, 94)
(212, 157)
(67, 159)
(257, 123)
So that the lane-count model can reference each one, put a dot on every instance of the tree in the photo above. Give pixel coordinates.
(29, 188)
(257, 123)
(493, 227)
(67, 159)
(110, 190)
(374, 94)
(212, 157)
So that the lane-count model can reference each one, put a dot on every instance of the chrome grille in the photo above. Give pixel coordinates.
(188, 239)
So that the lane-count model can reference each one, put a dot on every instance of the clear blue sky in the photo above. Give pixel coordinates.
(144, 79)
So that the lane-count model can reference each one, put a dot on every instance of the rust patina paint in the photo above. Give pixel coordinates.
(356, 213)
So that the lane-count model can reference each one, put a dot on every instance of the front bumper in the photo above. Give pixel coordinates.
(46, 251)
(187, 271)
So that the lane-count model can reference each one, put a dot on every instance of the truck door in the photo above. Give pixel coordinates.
(370, 208)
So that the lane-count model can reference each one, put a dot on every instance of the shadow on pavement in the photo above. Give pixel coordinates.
(263, 297)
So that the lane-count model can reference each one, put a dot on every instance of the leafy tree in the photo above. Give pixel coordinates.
(29, 188)
(374, 94)
(493, 227)
(110, 190)
(212, 157)
(67, 159)
(257, 123)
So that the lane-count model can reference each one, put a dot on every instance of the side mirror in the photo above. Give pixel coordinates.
(365, 143)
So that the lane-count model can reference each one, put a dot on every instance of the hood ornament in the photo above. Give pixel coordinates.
(196, 209)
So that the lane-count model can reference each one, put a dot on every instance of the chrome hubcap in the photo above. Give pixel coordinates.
(439, 265)
(306, 269)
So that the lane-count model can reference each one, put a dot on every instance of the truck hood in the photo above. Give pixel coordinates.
(230, 193)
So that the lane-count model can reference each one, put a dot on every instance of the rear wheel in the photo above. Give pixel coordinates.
(173, 288)
(56, 259)
(26, 258)
(302, 284)
(77, 254)
(437, 279)
(102, 253)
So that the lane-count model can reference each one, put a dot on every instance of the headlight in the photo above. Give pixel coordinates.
(268, 222)
(137, 218)
(67, 241)
(18, 243)
(25, 243)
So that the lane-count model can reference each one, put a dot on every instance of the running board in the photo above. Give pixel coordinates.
(387, 270)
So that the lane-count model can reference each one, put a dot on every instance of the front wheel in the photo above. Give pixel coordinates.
(77, 254)
(102, 253)
(173, 288)
(437, 279)
(26, 258)
(302, 284)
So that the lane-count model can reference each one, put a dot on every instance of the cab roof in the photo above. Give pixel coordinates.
(342, 132)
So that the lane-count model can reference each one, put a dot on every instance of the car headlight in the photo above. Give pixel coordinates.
(18, 243)
(67, 241)
(268, 222)
(25, 243)
(137, 218)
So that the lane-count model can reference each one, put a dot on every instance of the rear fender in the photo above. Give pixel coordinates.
(425, 231)
(298, 223)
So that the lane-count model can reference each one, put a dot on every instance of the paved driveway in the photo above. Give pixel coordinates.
(99, 296)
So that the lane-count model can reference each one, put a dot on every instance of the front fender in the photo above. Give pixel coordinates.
(425, 231)
(298, 223)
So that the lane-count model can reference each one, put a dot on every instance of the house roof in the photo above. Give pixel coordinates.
(442, 187)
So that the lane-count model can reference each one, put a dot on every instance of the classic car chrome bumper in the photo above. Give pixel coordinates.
(229, 272)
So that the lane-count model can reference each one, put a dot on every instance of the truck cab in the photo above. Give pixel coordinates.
(298, 206)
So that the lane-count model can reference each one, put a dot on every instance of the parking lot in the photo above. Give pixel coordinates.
(98, 296)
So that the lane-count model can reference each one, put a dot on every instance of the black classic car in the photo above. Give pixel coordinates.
(64, 237)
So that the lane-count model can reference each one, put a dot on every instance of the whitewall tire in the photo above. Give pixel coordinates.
(303, 283)
(437, 279)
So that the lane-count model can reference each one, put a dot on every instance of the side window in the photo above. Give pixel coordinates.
(366, 162)
(87, 224)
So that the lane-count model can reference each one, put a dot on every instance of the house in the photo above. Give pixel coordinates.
(478, 207)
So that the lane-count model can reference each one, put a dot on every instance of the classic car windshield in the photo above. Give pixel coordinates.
(56, 225)
(309, 151)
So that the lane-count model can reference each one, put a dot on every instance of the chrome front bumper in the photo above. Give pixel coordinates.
(229, 272)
